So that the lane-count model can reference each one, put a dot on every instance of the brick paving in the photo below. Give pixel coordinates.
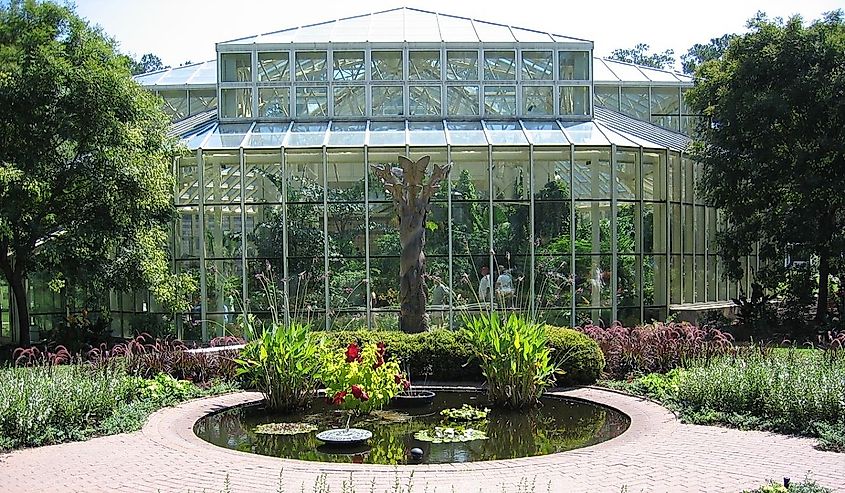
(656, 454)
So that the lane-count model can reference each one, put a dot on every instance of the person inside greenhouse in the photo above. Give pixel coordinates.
(484, 284)
(504, 285)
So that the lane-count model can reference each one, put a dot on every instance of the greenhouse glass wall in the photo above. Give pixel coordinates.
(569, 177)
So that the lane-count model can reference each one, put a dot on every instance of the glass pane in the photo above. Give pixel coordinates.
(222, 231)
(500, 100)
(387, 133)
(635, 103)
(575, 100)
(304, 169)
(387, 65)
(592, 281)
(312, 101)
(175, 104)
(628, 282)
(538, 100)
(510, 174)
(348, 65)
(187, 180)
(462, 100)
(235, 67)
(574, 65)
(424, 65)
(262, 176)
(188, 238)
(537, 65)
(274, 102)
(274, 67)
(654, 227)
(200, 100)
(591, 174)
(654, 176)
(654, 280)
(388, 101)
(222, 177)
(499, 65)
(311, 66)
(236, 103)
(627, 174)
(462, 65)
(607, 96)
(665, 101)
(349, 100)
(628, 227)
(425, 100)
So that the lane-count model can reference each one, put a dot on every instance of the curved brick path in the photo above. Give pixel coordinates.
(656, 454)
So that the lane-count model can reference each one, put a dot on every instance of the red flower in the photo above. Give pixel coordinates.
(359, 393)
(380, 349)
(406, 384)
(338, 398)
(398, 378)
(353, 353)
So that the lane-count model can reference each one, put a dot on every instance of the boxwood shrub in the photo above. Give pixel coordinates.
(444, 355)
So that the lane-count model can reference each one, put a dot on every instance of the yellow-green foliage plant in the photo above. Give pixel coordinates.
(359, 379)
(282, 361)
(514, 356)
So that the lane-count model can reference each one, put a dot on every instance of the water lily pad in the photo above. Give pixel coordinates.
(284, 428)
(465, 413)
(450, 435)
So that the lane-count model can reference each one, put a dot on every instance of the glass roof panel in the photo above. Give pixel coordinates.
(267, 135)
(456, 29)
(387, 133)
(525, 35)
(387, 26)
(617, 137)
(544, 133)
(505, 133)
(466, 133)
(584, 133)
(228, 135)
(284, 36)
(177, 76)
(426, 134)
(421, 27)
(352, 30)
(602, 73)
(626, 72)
(194, 140)
(659, 75)
(306, 135)
(348, 134)
(151, 78)
(205, 73)
(315, 34)
(493, 33)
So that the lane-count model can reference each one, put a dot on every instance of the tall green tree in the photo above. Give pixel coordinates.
(148, 62)
(640, 55)
(773, 153)
(85, 179)
(700, 53)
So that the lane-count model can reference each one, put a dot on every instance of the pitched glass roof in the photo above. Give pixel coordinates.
(608, 127)
(405, 24)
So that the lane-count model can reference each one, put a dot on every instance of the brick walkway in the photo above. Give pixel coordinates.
(656, 454)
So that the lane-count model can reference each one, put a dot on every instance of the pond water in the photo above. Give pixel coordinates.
(555, 426)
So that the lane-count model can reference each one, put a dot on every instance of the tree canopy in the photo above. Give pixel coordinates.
(640, 55)
(147, 63)
(700, 53)
(772, 152)
(85, 161)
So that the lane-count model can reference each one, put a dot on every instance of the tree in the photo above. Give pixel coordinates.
(640, 55)
(85, 179)
(700, 53)
(148, 63)
(772, 152)
(411, 200)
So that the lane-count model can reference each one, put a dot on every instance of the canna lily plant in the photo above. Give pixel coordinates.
(359, 379)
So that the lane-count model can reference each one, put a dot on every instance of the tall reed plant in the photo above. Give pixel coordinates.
(282, 361)
(514, 356)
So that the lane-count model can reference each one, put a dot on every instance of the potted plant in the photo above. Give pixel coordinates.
(358, 380)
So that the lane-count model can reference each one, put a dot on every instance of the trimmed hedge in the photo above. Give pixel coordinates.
(444, 355)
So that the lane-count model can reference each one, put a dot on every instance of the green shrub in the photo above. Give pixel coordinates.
(515, 356)
(581, 358)
(282, 362)
(446, 356)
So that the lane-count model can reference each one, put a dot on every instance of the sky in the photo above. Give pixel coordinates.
(186, 30)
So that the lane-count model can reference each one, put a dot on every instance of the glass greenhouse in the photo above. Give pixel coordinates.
(569, 176)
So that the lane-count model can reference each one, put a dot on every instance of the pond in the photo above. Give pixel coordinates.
(559, 424)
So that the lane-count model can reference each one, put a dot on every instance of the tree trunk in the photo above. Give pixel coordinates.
(824, 276)
(412, 289)
(17, 285)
